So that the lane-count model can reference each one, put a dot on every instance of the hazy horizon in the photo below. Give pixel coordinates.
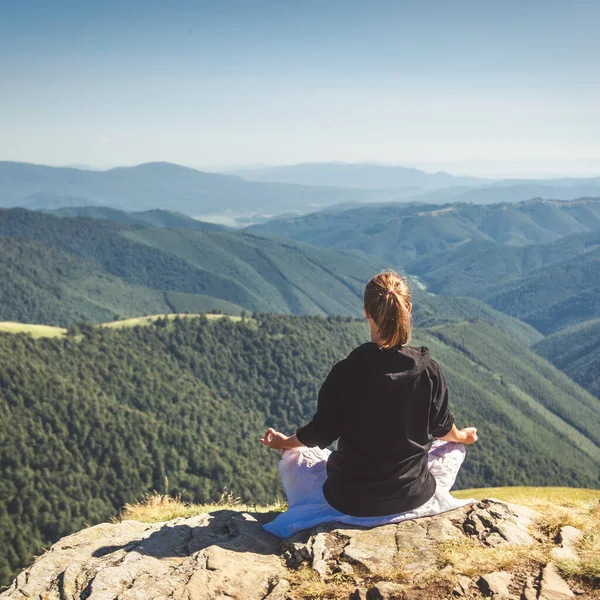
(491, 171)
(492, 90)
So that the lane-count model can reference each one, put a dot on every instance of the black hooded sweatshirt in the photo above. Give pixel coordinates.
(384, 407)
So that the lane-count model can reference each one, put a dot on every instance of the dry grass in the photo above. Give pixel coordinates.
(527, 495)
(588, 565)
(589, 552)
(157, 507)
(558, 507)
(469, 557)
(555, 516)
(396, 574)
(307, 584)
(588, 547)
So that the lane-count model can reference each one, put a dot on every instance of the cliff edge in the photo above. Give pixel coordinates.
(488, 549)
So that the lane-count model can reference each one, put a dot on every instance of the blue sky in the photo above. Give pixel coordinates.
(481, 87)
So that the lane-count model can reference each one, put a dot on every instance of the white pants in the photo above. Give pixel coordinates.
(304, 470)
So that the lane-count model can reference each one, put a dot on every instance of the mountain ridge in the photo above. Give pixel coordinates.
(93, 269)
(158, 185)
(358, 175)
(402, 232)
(147, 218)
(195, 192)
(242, 269)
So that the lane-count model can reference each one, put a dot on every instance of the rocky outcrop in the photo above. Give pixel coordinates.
(227, 555)
(221, 555)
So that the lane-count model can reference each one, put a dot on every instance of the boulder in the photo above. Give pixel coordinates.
(386, 590)
(463, 583)
(224, 554)
(496, 585)
(496, 523)
(567, 537)
(553, 586)
(227, 554)
(530, 592)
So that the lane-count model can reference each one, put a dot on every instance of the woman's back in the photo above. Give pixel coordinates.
(388, 404)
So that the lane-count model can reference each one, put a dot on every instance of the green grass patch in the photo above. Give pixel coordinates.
(148, 320)
(36, 331)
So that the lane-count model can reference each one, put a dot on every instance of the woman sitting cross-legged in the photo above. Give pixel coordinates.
(386, 404)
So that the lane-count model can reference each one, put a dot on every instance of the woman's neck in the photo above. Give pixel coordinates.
(374, 332)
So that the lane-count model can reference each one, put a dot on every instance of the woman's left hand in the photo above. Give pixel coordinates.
(274, 439)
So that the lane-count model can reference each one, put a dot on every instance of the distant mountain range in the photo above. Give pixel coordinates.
(412, 185)
(159, 185)
(359, 175)
(273, 191)
(568, 189)
(402, 233)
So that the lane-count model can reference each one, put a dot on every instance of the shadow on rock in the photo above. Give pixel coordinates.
(226, 529)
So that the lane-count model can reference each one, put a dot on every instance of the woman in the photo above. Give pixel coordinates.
(385, 403)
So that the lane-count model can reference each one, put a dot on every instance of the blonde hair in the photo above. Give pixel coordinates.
(387, 301)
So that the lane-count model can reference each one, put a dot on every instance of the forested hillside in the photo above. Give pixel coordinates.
(576, 351)
(403, 233)
(101, 268)
(538, 261)
(92, 420)
(551, 298)
(58, 271)
(476, 264)
(550, 286)
(43, 285)
(147, 218)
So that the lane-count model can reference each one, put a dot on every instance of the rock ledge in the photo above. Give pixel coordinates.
(227, 555)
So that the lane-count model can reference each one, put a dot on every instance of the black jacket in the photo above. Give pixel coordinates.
(385, 406)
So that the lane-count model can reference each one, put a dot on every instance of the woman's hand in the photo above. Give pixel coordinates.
(469, 435)
(274, 439)
(278, 441)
